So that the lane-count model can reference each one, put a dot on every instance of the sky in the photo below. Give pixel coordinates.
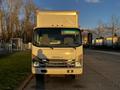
(91, 11)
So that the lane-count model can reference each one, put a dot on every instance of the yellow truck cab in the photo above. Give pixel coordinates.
(57, 45)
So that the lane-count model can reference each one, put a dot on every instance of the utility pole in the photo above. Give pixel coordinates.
(0, 19)
(113, 29)
(0, 24)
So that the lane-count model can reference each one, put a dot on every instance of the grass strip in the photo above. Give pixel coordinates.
(14, 68)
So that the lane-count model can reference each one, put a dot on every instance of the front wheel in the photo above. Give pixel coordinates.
(74, 76)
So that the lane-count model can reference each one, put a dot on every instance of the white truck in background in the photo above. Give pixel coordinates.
(57, 45)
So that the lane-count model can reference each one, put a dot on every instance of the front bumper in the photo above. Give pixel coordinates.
(57, 71)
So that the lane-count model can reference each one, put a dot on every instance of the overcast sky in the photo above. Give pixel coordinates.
(91, 11)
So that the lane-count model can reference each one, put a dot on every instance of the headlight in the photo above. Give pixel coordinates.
(77, 64)
(36, 64)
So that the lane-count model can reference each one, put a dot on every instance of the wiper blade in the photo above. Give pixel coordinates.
(47, 46)
(73, 47)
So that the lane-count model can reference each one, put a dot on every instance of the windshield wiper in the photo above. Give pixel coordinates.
(46, 46)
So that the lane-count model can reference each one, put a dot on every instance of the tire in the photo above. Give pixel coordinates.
(74, 77)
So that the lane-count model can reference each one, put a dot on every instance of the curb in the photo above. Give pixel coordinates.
(25, 83)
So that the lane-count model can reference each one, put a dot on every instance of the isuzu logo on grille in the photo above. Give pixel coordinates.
(57, 57)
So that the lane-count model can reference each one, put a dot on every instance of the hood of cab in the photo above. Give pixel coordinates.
(54, 53)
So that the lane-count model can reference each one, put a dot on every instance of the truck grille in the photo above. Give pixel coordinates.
(57, 63)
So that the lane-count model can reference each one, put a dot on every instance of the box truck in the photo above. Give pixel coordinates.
(57, 45)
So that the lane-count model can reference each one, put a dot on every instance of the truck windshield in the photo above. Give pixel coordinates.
(56, 37)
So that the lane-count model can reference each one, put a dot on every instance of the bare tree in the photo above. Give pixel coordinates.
(8, 17)
(100, 30)
(115, 24)
(29, 10)
(16, 18)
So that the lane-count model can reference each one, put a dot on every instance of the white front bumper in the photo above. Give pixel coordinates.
(57, 71)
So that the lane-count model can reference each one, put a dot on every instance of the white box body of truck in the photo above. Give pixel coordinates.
(68, 19)
(57, 45)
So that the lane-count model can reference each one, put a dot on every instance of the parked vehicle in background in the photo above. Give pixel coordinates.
(107, 42)
(87, 38)
(118, 43)
(98, 42)
(110, 41)
(57, 45)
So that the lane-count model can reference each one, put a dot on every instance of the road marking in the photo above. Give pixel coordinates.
(107, 52)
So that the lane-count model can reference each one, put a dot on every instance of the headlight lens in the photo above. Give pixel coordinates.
(77, 64)
(36, 64)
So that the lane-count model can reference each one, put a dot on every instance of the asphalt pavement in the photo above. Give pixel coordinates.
(101, 72)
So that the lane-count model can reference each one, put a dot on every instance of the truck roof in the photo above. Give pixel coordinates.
(64, 19)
